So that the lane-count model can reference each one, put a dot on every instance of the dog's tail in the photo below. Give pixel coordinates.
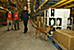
(33, 26)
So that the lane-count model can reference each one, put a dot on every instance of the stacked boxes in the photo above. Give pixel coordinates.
(58, 18)
(65, 37)
(69, 24)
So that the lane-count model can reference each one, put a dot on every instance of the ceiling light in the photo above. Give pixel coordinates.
(28, 0)
(1, 7)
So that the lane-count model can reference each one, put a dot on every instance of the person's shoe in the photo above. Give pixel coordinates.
(12, 29)
(18, 28)
(15, 28)
(24, 32)
(7, 29)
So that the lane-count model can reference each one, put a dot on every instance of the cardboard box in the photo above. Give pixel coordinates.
(65, 37)
(42, 21)
(69, 31)
(37, 18)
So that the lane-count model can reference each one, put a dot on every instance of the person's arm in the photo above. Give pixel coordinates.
(28, 14)
(19, 15)
(6, 14)
(13, 16)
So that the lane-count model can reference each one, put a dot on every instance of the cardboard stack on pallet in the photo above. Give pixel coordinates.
(42, 21)
(37, 20)
(58, 18)
(65, 37)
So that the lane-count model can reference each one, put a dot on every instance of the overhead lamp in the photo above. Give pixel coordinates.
(1, 7)
(28, 3)
(28, 0)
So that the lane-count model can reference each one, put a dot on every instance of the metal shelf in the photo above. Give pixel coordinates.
(16, 5)
(69, 6)
(55, 5)
(40, 6)
(2, 11)
(3, 8)
(66, 3)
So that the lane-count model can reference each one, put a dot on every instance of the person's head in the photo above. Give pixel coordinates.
(9, 9)
(25, 7)
(15, 8)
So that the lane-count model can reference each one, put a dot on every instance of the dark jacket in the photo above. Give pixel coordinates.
(25, 14)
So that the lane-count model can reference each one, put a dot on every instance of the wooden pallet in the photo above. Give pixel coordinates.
(60, 45)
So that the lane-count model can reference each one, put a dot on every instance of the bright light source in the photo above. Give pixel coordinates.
(28, 3)
(28, 0)
(1, 7)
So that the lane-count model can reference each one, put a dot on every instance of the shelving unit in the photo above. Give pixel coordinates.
(63, 4)
(16, 5)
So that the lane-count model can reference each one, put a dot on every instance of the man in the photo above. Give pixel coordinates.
(25, 15)
(16, 18)
(9, 19)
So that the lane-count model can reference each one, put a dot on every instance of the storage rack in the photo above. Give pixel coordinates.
(52, 4)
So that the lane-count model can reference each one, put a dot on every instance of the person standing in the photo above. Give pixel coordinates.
(9, 19)
(25, 15)
(16, 18)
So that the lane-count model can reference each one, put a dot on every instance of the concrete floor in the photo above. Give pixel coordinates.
(16, 40)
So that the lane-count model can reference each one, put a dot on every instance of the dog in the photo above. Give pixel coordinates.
(45, 31)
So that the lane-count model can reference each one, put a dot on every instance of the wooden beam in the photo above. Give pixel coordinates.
(59, 44)
(2, 0)
(58, 3)
(20, 4)
(40, 6)
(16, 5)
(3, 8)
(72, 13)
(35, 2)
(2, 11)
(69, 6)
(53, 5)
(65, 3)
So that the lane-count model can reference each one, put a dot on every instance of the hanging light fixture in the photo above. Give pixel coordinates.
(29, 5)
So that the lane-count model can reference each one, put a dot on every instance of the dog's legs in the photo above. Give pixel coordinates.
(36, 33)
(46, 38)
(39, 34)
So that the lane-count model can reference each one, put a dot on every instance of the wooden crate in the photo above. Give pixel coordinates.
(65, 37)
